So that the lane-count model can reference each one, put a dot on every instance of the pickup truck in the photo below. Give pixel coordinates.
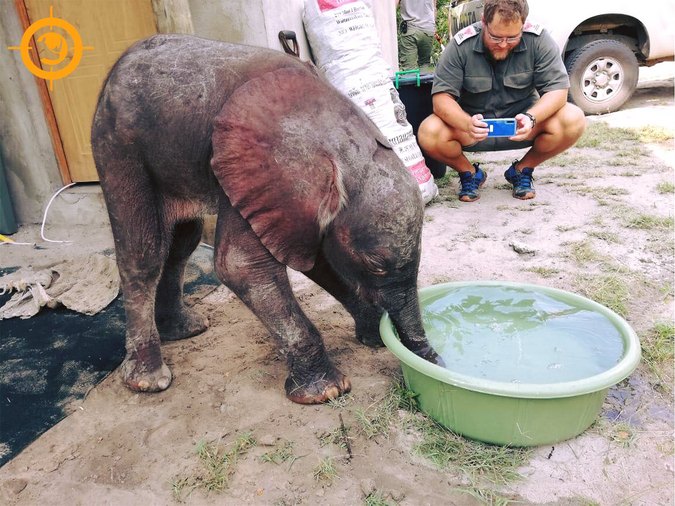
(602, 42)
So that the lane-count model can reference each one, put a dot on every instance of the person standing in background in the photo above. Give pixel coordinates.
(417, 29)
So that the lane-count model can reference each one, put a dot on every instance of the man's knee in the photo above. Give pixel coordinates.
(568, 124)
(574, 121)
(428, 132)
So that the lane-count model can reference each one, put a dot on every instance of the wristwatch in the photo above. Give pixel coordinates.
(532, 118)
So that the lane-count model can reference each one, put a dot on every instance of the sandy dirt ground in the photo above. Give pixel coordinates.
(119, 447)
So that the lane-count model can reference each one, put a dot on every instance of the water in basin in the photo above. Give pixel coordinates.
(511, 334)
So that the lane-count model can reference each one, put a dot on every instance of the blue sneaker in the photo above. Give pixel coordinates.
(470, 183)
(523, 187)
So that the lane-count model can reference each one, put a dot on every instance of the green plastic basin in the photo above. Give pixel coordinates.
(515, 413)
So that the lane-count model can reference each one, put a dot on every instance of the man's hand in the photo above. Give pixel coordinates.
(477, 128)
(524, 128)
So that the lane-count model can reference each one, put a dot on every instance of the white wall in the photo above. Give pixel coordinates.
(25, 144)
(258, 23)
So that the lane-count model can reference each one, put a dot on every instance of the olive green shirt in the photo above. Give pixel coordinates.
(499, 89)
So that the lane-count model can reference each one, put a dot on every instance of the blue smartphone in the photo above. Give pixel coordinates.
(501, 127)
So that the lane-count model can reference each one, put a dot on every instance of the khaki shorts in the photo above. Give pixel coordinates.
(497, 144)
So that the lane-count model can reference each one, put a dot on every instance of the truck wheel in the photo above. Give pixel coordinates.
(603, 75)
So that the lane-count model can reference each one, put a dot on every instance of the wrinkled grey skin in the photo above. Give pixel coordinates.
(186, 126)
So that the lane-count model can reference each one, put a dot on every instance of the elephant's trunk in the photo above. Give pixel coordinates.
(408, 323)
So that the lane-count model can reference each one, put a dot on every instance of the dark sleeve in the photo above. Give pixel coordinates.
(449, 74)
(549, 70)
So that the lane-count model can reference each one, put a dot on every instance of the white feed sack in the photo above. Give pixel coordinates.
(344, 42)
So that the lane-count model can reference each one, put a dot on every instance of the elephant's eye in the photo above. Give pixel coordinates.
(379, 271)
(375, 263)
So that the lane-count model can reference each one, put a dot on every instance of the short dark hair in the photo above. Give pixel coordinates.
(509, 10)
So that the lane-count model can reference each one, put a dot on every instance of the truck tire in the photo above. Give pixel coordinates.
(603, 75)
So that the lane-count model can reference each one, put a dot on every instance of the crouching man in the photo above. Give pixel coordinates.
(500, 67)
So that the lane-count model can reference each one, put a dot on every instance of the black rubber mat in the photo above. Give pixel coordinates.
(49, 362)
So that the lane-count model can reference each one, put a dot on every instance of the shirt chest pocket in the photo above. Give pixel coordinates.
(477, 84)
(520, 82)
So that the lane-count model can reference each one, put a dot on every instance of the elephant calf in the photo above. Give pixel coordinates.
(298, 177)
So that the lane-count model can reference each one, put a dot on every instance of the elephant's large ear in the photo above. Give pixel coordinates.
(275, 159)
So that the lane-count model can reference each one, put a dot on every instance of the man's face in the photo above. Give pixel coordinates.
(500, 37)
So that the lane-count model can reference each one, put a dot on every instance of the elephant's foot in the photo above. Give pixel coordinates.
(181, 325)
(426, 352)
(367, 327)
(141, 374)
(369, 336)
(318, 388)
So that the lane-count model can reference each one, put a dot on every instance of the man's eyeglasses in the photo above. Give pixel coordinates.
(500, 40)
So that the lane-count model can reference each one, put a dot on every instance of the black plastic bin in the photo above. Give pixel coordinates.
(415, 92)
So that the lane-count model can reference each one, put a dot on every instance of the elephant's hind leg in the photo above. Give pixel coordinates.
(141, 244)
(174, 319)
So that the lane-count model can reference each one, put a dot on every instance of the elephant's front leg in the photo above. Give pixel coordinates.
(246, 267)
(366, 316)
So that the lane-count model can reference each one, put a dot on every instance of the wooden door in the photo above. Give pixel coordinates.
(107, 26)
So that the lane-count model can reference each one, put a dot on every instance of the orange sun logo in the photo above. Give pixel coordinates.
(56, 42)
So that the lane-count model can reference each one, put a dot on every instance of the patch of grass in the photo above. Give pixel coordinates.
(584, 501)
(341, 402)
(599, 192)
(544, 272)
(282, 452)
(403, 398)
(665, 187)
(654, 134)
(373, 422)
(667, 290)
(582, 252)
(446, 180)
(498, 464)
(487, 496)
(375, 498)
(599, 134)
(657, 348)
(337, 436)
(607, 289)
(570, 158)
(565, 228)
(447, 185)
(217, 465)
(479, 461)
(606, 236)
(649, 221)
(632, 153)
(326, 471)
(632, 218)
(375, 419)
